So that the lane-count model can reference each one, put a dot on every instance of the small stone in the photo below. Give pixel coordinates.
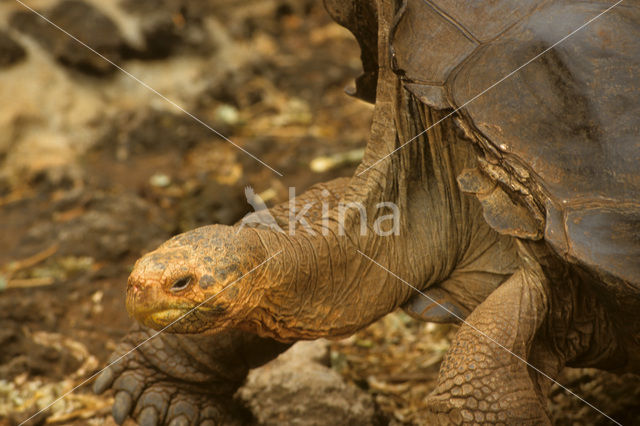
(160, 180)
(227, 114)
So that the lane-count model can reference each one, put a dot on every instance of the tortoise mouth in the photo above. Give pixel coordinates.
(180, 319)
(167, 316)
(160, 311)
(158, 318)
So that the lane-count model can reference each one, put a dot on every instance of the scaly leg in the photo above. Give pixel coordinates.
(479, 380)
(183, 379)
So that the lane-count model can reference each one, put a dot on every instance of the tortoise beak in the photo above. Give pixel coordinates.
(143, 304)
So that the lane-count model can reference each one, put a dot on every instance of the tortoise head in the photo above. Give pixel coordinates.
(195, 282)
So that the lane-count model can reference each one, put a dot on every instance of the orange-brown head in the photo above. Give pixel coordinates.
(195, 282)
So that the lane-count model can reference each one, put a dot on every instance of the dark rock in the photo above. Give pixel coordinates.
(298, 389)
(10, 51)
(170, 26)
(152, 131)
(212, 202)
(107, 228)
(191, 8)
(84, 22)
(162, 38)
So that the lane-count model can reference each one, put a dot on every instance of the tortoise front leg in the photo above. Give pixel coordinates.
(181, 379)
(479, 380)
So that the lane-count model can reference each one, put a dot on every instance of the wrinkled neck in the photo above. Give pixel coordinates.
(355, 262)
(322, 286)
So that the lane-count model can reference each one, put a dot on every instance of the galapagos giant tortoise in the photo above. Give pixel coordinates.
(520, 217)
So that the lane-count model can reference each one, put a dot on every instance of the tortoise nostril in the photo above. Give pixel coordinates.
(133, 285)
(180, 284)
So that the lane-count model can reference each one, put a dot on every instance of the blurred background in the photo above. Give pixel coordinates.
(96, 169)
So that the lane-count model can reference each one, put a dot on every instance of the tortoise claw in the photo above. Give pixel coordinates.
(104, 381)
(122, 406)
(148, 417)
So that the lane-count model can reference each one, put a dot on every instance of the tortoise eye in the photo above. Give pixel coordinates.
(180, 284)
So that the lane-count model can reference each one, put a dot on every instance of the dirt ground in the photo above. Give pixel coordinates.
(96, 169)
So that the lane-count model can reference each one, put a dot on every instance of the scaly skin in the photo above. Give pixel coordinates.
(479, 382)
(178, 379)
(545, 314)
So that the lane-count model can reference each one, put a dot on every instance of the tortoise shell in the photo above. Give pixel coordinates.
(558, 124)
(563, 128)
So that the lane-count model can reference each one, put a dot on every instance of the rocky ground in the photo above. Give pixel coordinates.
(96, 168)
